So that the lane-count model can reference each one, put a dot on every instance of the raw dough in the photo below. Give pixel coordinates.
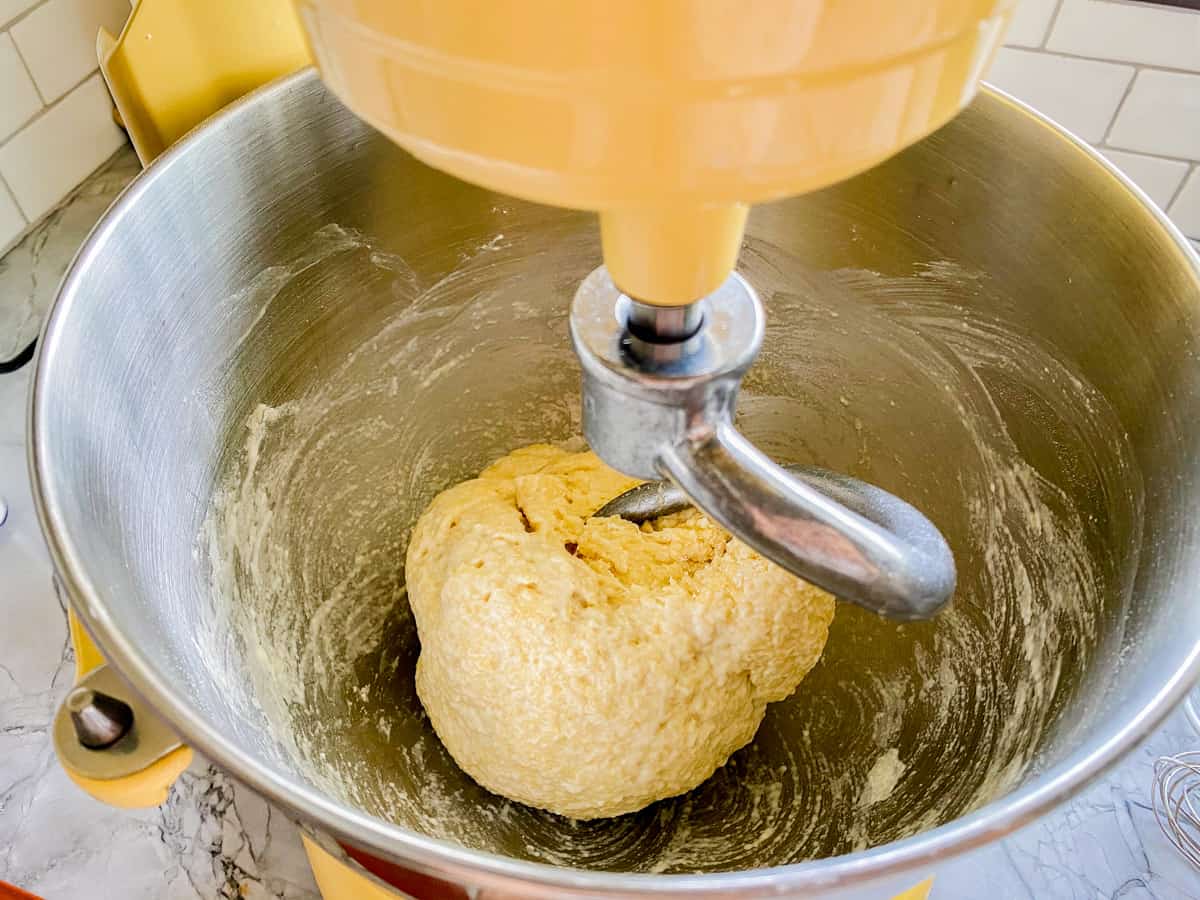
(588, 666)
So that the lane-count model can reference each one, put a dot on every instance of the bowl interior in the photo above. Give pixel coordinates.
(307, 334)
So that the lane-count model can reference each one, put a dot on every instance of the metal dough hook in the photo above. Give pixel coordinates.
(660, 386)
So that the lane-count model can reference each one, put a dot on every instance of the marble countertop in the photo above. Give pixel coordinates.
(215, 838)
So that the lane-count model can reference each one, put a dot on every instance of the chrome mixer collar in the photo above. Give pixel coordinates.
(660, 387)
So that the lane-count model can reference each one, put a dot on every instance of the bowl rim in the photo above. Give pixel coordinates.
(445, 859)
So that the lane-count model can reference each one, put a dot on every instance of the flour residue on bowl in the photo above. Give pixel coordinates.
(914, 382)
(882, 778)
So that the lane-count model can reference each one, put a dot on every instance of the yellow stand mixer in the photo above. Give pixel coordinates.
(669, 118)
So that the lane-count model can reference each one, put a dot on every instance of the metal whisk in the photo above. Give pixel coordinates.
(1176, 801)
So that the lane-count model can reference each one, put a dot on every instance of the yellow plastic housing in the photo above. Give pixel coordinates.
(339, 879)
(666, 116)
(177, 62)
(143, 789)
(148, 787)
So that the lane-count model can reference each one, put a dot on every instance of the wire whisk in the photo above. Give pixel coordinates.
(1175, 798)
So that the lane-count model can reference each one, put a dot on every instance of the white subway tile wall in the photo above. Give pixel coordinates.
(60, 148)
(1080, 94)
(10, 9)
(58, 41)
(1160, 115)
(1152, 130)
(1031, 23)
(56, 123)
(1123, 75)
(1159, 178)
(18, 97)
(12, 223)
(1186, 208)
(1149, 34)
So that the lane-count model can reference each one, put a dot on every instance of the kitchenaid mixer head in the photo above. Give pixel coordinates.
(660, 385)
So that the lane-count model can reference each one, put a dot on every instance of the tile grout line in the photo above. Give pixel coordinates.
(1112, 123)
(33, 117)
(1053, 21)
(24, 62)
(1179, 189)
(1162, 157)
(1066, 54)
(6, 189)
(41, 113)
(21, 16)
(25, 66)
(1174, 70)
(4, 185)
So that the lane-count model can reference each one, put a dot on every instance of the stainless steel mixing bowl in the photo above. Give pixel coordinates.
(287, 335)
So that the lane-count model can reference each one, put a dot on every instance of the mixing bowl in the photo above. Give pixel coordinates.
(288, 335)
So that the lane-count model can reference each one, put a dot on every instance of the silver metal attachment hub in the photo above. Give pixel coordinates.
(660, 388)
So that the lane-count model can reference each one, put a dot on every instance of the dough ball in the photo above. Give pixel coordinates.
(592, 666)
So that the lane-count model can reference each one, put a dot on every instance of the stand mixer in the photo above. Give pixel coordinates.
(669, 118)
(351, 318)
(993, 324)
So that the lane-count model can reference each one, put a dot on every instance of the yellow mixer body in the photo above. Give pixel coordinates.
(666, 116)
(176, 62)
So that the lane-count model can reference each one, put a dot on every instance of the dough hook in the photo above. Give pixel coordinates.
(660, 386)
